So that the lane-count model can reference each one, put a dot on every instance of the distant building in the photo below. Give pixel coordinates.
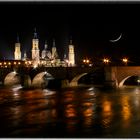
(48, 58)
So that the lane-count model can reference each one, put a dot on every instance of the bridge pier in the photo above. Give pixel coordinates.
(73, 84)
(26, 81)
(110, 77)
(64, 83)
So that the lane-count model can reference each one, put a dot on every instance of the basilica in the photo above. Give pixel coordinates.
(45, 57)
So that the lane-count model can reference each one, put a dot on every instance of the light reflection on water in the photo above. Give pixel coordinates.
(79, 113)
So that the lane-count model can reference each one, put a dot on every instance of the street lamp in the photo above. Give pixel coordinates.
(52, 63)
(35, 66)
(86, 61)
(138, 81)
(106, 60)
(125, 61)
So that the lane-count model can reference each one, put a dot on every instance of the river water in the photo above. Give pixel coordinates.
(70, 113)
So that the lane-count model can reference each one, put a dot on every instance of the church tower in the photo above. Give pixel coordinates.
(71, 54)
(35, 47)
(44, 52)
(25, 56)
(17, 52)
(54, 51)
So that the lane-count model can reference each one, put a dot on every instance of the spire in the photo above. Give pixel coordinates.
(17, 38)
(53, 43)
(65, 56)
(25, 55)
(70, 40)
(46, 44)
(35, 33)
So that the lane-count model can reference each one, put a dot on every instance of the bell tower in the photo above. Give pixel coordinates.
(71, 54)
(17, 52)
(35, 47)
(54, 51)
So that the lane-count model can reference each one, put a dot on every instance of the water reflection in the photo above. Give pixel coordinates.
(69, 113)
(71, 125)
(107, 113)
(126, 112)
(41, 117)
(87, 109)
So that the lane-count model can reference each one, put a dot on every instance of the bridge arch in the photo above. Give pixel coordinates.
(11, 79)
(122, 82)
(74, 81)
(119, 74)
(41, 79)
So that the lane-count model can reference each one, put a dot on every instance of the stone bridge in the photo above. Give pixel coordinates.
(42, 76)
(116, 75)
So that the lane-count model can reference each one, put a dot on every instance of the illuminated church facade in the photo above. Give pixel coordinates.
(47, 58)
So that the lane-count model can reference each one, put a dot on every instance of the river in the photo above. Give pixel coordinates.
(70, 113)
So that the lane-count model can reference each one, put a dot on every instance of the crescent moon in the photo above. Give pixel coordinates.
(115, 40)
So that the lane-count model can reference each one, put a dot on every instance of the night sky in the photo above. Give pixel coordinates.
(91, 26)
